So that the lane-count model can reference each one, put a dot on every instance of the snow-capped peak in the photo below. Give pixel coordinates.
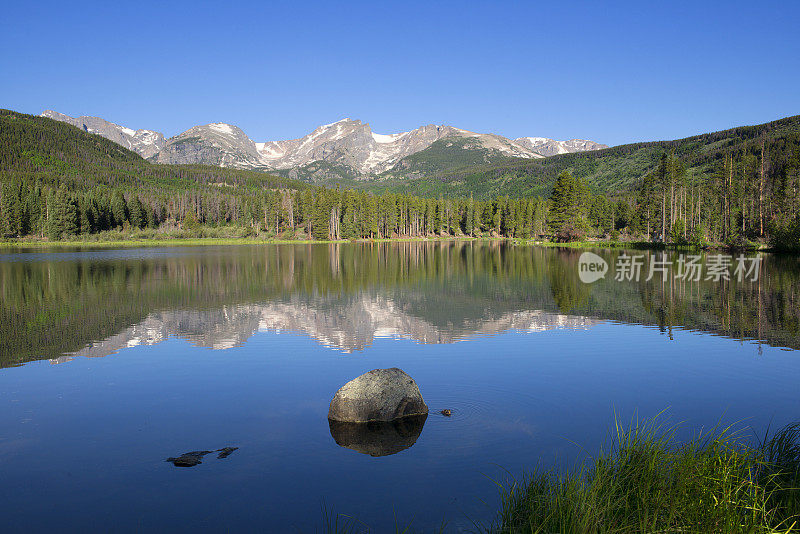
(222, 128)
(326, 126)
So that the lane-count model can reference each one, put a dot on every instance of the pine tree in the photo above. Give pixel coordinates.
(138, 216)
(62, 221)
(349, 229)
(321, 215)
(10, 211)
(568, 203)
(119, 209)
(469, 217)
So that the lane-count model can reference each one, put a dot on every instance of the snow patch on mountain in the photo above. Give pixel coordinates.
(222, 128)
(387, 138)
(551, 147)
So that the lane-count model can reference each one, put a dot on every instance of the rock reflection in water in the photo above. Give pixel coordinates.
(378, 438)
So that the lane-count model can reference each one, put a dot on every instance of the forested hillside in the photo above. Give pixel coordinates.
(447, 155)
(59, 181)
(731, 187)
(611, 171)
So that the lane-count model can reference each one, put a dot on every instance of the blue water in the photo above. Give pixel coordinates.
(83, 443)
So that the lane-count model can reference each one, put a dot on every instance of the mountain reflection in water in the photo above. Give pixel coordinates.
(353, 327)
(347, 295)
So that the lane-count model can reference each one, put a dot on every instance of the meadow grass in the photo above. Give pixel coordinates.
(636, 245)
(234, 235)
(648, 481)
(204, 236)
(196, 242)
(137, 243)
(639, 245)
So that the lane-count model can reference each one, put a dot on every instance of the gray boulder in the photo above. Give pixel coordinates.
(379, 395)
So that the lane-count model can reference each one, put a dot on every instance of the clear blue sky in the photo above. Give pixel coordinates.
(631, 72)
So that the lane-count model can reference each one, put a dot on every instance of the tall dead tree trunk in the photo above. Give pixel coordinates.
(761, 190)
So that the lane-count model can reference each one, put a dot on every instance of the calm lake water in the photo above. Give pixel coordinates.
(113, 361)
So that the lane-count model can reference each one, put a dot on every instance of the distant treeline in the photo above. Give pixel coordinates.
(31, 208)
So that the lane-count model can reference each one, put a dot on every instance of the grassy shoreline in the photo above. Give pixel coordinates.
(104, 242)
(641, 245)
(137, 243)
(649, 481)
(208, 241)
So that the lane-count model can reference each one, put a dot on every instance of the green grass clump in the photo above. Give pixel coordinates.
(648, 481)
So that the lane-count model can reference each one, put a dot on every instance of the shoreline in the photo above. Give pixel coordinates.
(16, 244)
(218, 241)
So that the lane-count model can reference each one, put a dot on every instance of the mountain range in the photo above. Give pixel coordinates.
(348, 144)
(449, 167)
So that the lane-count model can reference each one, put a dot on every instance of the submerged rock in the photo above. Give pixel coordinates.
(191, 459)
(378, 438)
(224, 452)
(379, 395)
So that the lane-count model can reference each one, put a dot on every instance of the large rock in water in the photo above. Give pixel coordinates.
(379, 395)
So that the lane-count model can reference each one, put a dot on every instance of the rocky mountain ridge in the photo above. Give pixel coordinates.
(349, 143)
(146, 143)
(551, 147)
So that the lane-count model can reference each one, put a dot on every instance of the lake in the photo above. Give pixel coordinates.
(112, 361)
